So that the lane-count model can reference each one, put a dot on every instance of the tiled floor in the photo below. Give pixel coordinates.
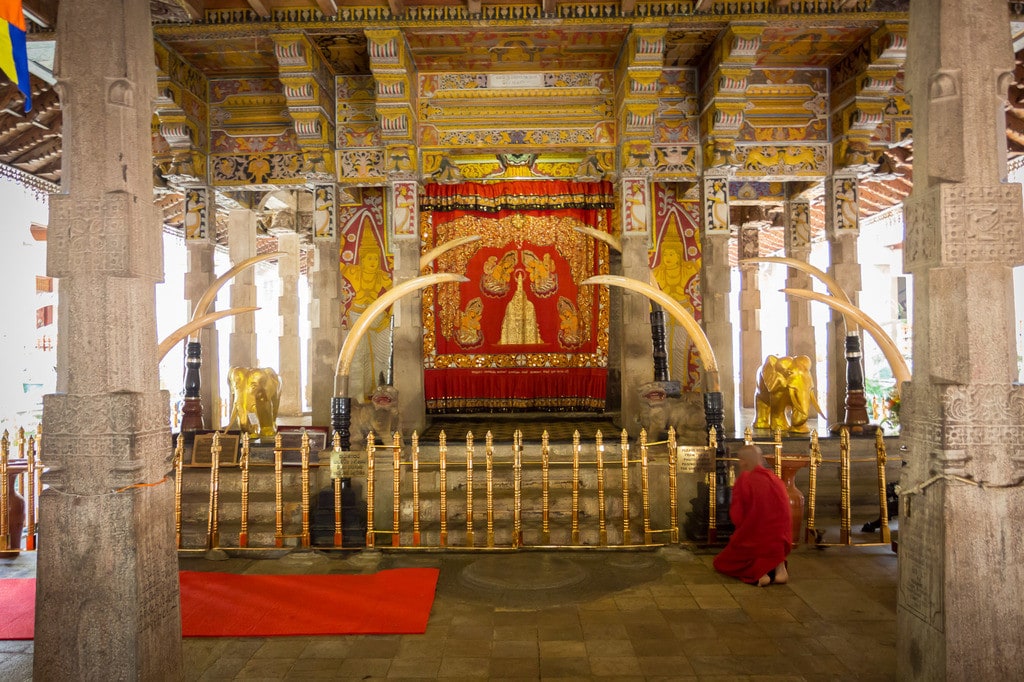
(647, 615)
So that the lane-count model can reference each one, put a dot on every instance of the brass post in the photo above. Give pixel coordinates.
(179, 452)
(31, 474)
(5, 535)
(370, 459)
(278, 483)
(883, 501)
(517, 486)
(712, 480)
(812, 486)
(602, 531)
(645, 495)
(777, 435)
(575, 533)
(442, 466)
(673, 487)
(844, 482)
(415, 489)
(748, 436)
(469, 489)
(396, 474)
(624, 449)
(304, 452)
(21, 442)
(338, 537)
(489, 458)
(212, 529)
(243, 531)
(545, 457)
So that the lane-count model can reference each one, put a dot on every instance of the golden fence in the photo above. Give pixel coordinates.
(19, 492)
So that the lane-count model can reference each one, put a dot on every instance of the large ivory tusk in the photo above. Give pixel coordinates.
(892, 354)
(435, 252)
(826, 279)
(600, 236)
(362, 323)
(208, 297)
(194, 325)
(681, 314)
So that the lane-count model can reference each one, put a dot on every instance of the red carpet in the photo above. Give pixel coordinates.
(396, 601)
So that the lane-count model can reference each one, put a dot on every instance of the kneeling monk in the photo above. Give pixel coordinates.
(758, 548)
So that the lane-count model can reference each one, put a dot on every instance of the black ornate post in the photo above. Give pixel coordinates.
(341, 419)
(192, 409)
(856, 414)
(658, 337)
(714, 418)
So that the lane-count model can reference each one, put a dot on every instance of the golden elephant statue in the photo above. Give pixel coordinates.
(255, 397)
(785, 394)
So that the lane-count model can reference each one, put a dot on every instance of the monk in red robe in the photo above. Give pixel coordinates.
(758, 548)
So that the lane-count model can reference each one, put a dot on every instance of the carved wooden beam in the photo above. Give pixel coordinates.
(397, 7)
(196, 8)
(328, 7)
(473, 6)
(703, 5)
(549, 6)
(41, 12)
(260, 8)
(628, 6)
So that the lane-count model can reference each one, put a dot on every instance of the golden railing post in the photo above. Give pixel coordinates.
(624, 450)
(844, 482)
(489, 459)
(179, 453)
(777, 435)
(31, 474)
(469, 489)
(883, 501)
(243, 531)
(415, 489)
(338, 537)
(370, 463)
(396, 474)
(21, 442)
(673, 487)
(602, 531)
(212, 529)
(645, 494)
(304, 452)
(278, 484)
(748, 436)
(5, 526)
(812, 486)
(545, 511)
(442, 466)
(712, 479)
(517, 487)
(575, 532)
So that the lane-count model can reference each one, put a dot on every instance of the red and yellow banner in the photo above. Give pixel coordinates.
(13, 55)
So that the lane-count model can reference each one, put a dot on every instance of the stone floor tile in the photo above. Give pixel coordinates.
(515, 649)
(564, 648)
(560, 632)
(619, 667)
(411, 647)
(608, 647)
(16, 667)
(265, 669)
(364, 667)
(526, 666)
(664, 666)
(704, 647)
(413, 667)
(656, 647)
(282, 647)
(222, 669)
(749, 646)
(514, 633)
(598, 630)
(467, 648)
(464, 667)
(564, 666)
(716, 602)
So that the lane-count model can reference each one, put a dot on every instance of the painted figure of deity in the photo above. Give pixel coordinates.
(468, 334)
(368, 280)
(543, 278)
(498, 274)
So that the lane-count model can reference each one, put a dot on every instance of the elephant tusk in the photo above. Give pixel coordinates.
(892, 354)
(611, 241)
(194, 325)
(362, 323)
(676, 309)
(435, 252)
(208, 297)
(826, 279)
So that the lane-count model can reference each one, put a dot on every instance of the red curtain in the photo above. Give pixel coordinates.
(522, 333)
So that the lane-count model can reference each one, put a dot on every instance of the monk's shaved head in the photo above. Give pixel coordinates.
(750, 457)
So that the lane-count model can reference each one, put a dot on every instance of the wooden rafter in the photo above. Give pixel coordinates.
(196, 9)
(260, 8)
(473, 7)
(329, 8)
(41, 12)
(397, 7)
(628, 6)
(549, 6)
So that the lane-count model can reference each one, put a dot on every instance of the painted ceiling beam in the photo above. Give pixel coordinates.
(473, 7)
(549, 6)
(42, 12)
(703, 5)
(628, 6)
(196, 9)
(329, 8)
(397, 7)
(260, 8)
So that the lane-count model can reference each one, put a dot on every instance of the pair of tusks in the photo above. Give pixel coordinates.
(201, 318)
(853, 315)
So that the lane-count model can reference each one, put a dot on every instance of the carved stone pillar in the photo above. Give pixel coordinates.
(636, 346)
(324, 304)
(750, 314)
(407, 338)
(716, 285)
(961, 556)
(290, 360)
(242, 245)
(198, 278)
(800, 330)
(842, 229)
(107, 602)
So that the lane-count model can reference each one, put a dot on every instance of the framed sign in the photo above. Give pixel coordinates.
(202, 447)
(291, 442)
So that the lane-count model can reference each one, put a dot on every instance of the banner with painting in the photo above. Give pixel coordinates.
(522, 333)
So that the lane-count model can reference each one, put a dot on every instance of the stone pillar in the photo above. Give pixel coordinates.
(636, 348)
(107, 602)
(290, 359)
(842, 229)
(200, 246)
(716, 285)
(750, 313)
(800, 330)
(324, 304)
(407, 332)
(961, 554)
(242, 245)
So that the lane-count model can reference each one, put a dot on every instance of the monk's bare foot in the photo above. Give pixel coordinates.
(781, 574)
(764, 580)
